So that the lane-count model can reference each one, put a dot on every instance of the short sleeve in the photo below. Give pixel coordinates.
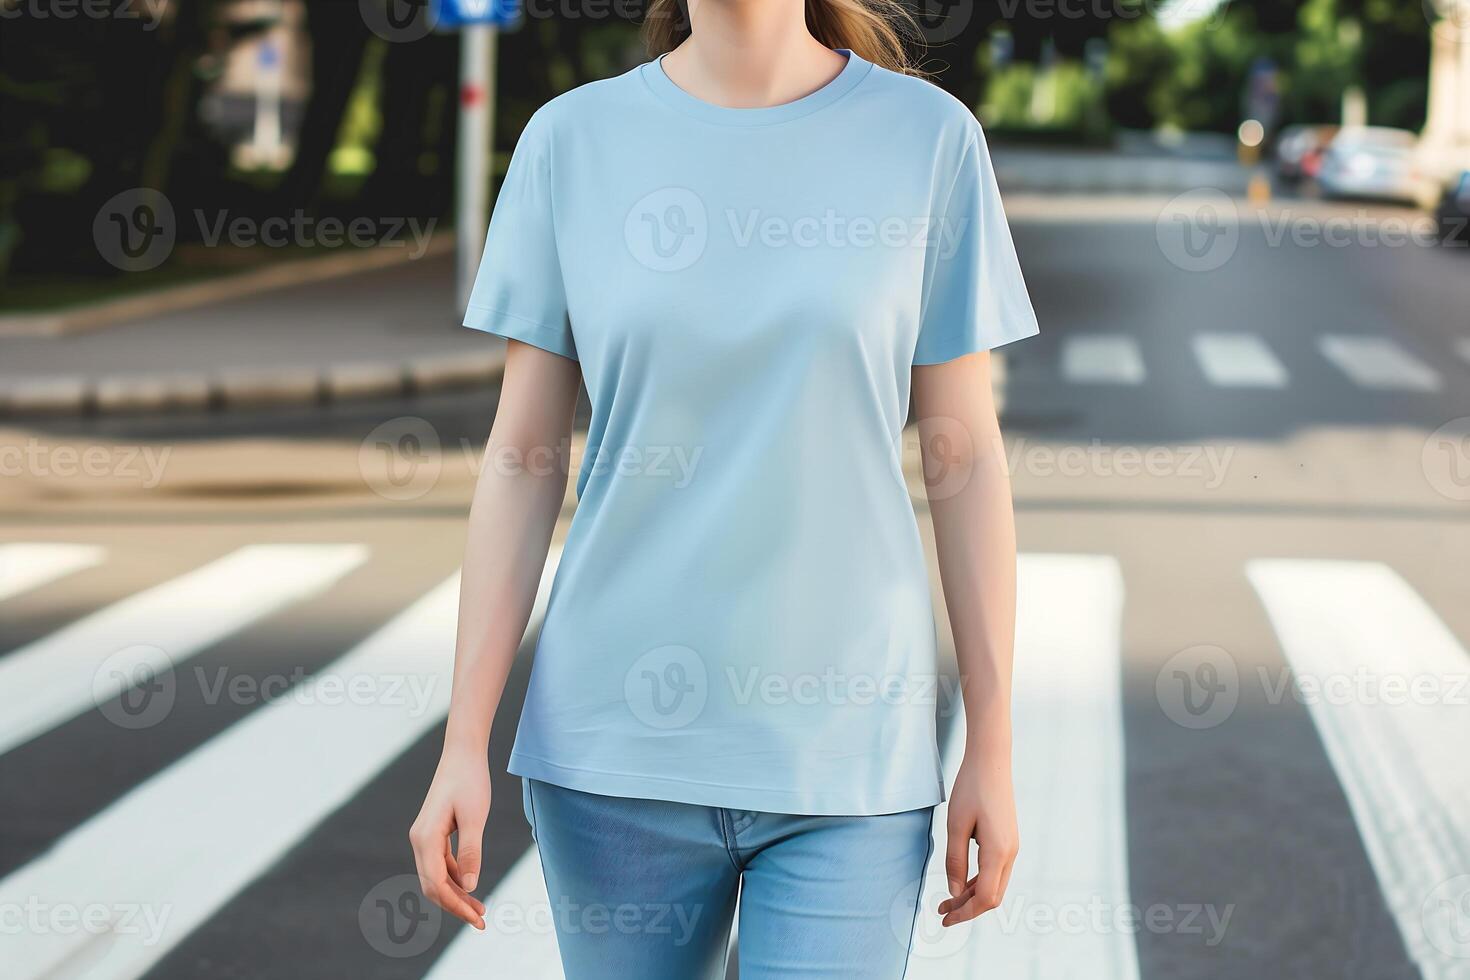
(519, 292)
(974, 296)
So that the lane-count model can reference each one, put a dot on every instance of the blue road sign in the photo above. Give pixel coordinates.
(457, 13)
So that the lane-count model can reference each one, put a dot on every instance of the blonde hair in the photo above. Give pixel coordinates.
(880, 31)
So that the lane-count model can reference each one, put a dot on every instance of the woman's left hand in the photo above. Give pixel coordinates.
(982, 808)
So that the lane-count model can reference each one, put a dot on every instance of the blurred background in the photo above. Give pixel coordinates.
(239, 428)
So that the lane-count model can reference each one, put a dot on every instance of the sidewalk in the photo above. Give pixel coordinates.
(395, 330)
(379, 332)
(1020, 170)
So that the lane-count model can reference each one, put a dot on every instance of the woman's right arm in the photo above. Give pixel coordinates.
(517, 499)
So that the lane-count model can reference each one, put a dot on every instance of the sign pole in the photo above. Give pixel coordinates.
(476, 133)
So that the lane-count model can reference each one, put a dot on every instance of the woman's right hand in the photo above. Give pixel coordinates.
(458, 800)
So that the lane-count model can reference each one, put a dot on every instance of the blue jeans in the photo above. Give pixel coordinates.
(647, 889)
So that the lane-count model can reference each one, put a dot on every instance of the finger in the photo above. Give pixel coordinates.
(1005, 880)
(957, 855)
(435, 884)
(956, 901)
(971, 908)
(461, 903)
(446, 894)
(453, 866)
(983, 896)
(458, 879)
(471, 839)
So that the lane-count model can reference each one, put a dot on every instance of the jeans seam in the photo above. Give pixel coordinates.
(918, 901)
(727, 832)
(536, 845)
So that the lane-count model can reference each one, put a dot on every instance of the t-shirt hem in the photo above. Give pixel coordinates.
(698, 793)
(514, 327)
(977, 345)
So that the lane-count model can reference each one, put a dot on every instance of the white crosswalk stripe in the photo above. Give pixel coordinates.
(25, 566)
(96, 658)
(1246, 361)
(1069, 760)
(1110, 359)
(1390, 683)
(249, 794)
(1238, 360)
(1378, 363)
(1396, 746)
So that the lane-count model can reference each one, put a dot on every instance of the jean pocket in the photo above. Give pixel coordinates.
(528, 806)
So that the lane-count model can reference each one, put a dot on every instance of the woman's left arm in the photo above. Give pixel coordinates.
(968, 485)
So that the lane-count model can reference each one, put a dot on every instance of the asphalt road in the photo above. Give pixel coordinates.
(1242, 705)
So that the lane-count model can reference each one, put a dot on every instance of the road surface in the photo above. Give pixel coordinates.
(1242, 479)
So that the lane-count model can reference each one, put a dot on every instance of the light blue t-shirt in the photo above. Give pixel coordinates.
(742, 615)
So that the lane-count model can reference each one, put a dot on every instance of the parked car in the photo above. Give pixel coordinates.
(1374, 162)
(1453, 211)
(1299, 151)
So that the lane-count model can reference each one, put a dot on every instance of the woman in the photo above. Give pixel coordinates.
(755, 251)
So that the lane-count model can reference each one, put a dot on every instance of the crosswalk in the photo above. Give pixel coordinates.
(1068, 761)
(1245, 360)
(153, 866)
(127, 644)
(1239, 360)
(1397, 738)
(1111, 359)
(29, 566)
(1377, 362)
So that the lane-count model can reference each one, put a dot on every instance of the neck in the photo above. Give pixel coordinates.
(749, 55)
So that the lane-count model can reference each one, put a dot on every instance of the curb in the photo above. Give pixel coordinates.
(1036, 173)
(174, 299)
(248, 388)
(265, 388)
